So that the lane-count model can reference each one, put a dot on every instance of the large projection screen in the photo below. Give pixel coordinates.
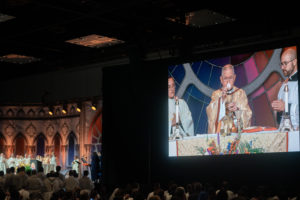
(202, 121)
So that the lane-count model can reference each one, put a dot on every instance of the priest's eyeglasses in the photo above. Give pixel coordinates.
(285, 63)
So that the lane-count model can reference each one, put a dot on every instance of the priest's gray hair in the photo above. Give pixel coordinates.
(228, 67)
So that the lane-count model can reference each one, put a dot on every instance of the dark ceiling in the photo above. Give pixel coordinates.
(40, 29)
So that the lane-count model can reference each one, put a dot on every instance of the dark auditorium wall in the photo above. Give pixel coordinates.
(66, 84)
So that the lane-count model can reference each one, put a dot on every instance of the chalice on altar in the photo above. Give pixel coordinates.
(238, 115)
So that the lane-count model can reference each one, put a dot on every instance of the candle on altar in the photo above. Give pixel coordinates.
(177, 110)
(286, 98)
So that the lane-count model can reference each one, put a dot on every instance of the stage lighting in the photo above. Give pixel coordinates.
(79, 106)
(50, 112)
(64, 110)
(94, 105)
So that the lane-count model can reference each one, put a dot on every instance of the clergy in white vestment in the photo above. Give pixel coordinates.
(229, 98)
(2, 163)
(75, 164)
(45, 163)
(17, 161)
(289, 67)
(27, 159)
(11, 162)
(184, 118)
(52, 162)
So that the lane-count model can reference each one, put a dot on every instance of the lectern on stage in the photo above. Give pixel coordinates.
(35, 164)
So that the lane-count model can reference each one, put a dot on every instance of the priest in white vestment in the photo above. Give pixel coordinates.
(27, 159)
(186, 124)
(11, 161)
(53, 162)
(2, 163)
(75, 164)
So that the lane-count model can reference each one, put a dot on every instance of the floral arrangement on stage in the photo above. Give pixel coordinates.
(22, 164)
(201, 150)
(27, 168)
(232, 147)
(235, 146)
(212, 149)
(246, 148)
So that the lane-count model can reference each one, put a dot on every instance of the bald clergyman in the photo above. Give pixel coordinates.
(235, 97)
(289, 67)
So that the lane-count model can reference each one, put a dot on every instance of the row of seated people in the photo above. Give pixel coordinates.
(32, 182)
(135, 191)
(197, 191)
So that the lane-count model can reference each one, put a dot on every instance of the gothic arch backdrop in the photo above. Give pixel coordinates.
(40, 142)
(2, 143)
(20, 144)
(72, 143)
(32, 130)
(57, 149)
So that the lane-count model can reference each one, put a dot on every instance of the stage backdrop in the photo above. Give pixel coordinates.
(29, 129)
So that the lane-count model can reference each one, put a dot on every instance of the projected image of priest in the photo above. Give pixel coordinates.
(229, 98)
(184, 117)
(289, 67)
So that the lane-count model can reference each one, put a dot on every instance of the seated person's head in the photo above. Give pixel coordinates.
(14, 194)
(85, 173)
(159, 192)
(28, 172)
(22, 169)
(35, 196)
(40, 169)
(155, 197)
(180, 193)
(33, 172)
(84, 196)
(58, 168)
(12, 170)
(222, 194)
(71, 173)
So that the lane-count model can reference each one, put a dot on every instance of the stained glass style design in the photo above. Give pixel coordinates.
(247, 68)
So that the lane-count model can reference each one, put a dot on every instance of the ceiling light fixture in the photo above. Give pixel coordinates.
(95, 41)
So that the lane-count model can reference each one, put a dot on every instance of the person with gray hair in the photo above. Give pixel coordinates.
(229, 98)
